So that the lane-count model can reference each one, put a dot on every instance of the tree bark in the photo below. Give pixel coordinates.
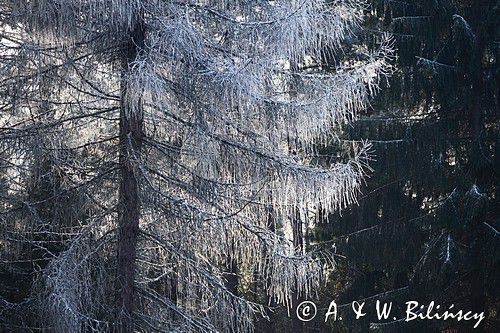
(298, 243)
(130, 134)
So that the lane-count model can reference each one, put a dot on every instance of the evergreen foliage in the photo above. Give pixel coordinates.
(427, 226)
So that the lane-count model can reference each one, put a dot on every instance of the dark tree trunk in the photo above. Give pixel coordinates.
(129, 209)
(268, 326)
(297, 233)
(298, 243)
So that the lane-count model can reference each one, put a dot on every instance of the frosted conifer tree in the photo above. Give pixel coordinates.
(190, 124)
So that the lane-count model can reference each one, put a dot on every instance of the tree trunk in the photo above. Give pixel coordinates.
(297, 232)
(131, 132)
(298, 243)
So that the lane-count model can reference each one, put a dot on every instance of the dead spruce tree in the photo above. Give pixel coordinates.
(189, 123)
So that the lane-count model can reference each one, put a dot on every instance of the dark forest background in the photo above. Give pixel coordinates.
(426, 227)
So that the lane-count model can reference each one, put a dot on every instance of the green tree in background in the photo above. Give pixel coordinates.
(427, 225)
